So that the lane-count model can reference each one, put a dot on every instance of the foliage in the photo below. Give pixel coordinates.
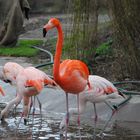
(23, 48)
(83, 36)
(104, 48)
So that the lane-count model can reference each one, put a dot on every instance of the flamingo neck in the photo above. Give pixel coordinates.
(58, 53)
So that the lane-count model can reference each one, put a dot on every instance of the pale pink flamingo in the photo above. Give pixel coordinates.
(70, 75)
(28, 82)
(101, 90)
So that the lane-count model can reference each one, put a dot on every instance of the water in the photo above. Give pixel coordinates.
(47, 128)
(127, 126)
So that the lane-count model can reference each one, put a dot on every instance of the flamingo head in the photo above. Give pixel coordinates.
(10, 72)
(53, 22)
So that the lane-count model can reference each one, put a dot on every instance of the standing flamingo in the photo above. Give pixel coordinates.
(70, 75)
(28, 81)
(101, 90)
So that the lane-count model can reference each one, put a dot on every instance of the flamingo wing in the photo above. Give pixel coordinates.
(73, 76)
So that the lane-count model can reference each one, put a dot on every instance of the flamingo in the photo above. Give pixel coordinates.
(101, 90)
(1, 91)
(70, 75)
(28, 81)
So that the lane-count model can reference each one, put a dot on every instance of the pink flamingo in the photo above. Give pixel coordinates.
(28, 81)
(70, 75)
(101, 90)
(1, 91)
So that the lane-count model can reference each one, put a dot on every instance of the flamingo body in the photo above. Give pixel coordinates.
(101, 90)
(71, 75)
(73, 72)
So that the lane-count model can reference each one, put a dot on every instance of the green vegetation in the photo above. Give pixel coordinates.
(23, 48)
(70, 51)
(104, 48)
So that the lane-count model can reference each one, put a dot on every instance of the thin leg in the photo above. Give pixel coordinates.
(106, 124)
(78, 119)
(26, 108)
(40, 108)
(31, 104)
(19, 122)
(95, 121)
(9, 105)
(67, 116)
(14, 109)
(33, 113)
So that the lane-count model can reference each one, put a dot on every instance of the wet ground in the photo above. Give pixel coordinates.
(125, 125)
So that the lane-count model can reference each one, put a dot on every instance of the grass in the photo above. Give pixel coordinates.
(22, 49)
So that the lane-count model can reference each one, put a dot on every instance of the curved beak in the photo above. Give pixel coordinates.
(44, 32)
(1, 91)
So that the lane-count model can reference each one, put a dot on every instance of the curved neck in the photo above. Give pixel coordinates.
(58, 53)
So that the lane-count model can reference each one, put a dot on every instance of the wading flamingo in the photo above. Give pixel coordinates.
(101, 90)
(28, 81)
(70, 75)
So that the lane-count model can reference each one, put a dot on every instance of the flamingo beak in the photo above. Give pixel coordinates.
(44, 32)
(1, 91)
(34, 83)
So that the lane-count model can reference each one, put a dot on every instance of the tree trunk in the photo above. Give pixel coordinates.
(126, 23)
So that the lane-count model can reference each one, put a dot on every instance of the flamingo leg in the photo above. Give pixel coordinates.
(14, 110)
(67, 116)
(78, 119)
(95, 121)
(33, 113)
(26, 108)
(114, 109)
(31, 104)
(22, 115)
(40, 108)
(9, 105)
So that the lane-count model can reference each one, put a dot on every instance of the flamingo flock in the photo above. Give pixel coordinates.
(71, 75)
(28, 82)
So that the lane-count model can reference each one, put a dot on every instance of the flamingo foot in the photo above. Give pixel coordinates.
(25, 121)
(2, 118)
(61, 135)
